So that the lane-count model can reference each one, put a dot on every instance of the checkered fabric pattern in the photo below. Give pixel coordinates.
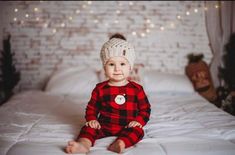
(114, 117)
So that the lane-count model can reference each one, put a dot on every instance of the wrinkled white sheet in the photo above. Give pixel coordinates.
(36, 123)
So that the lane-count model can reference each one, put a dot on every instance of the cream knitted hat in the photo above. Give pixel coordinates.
(117, 47)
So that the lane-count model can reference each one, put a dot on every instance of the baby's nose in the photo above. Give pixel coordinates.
(117, 67)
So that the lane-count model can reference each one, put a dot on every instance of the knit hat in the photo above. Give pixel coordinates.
(117, 47)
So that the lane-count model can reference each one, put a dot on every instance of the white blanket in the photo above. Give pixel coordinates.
(36, 123)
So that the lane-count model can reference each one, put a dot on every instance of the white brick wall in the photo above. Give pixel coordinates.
(39, 51)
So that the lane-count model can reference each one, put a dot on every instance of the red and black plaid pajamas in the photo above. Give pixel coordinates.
(114, 117)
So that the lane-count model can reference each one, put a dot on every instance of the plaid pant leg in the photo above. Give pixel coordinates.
(90, 133)
(131, 136)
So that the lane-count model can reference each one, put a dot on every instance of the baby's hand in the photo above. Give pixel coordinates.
(93, 124)
(134, 124)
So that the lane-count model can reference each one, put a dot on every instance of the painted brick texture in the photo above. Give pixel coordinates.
(59, 32)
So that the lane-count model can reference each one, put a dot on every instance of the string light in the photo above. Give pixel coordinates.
(162, 28)
(54, 31)
(45, 25)
(147, 30)
(35, 9)
(62, 25)
(134, 33)
(152, 25)
(118, 11)
(120, 3)
(83, 6)
(70, 18)
(172, 25)
(89, 2)
(77, 11)
(143, 34)
(178, 17)
(148, 21)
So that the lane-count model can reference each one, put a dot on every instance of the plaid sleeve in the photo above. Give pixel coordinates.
(144, 108)
(92, 109)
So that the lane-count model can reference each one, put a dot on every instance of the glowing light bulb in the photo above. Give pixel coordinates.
(77, 11)
(89, 2)
(16, 10)
(178, 17)
(205, 8)
(148, 21)
(152, 25)
(27, 15)
(62, 25)
(116, 21)
(147, 30)
(118, 12)
(143, 34)
(37, 19)
(70, 18)
(216, 6)
(15, 19)
(162, 28)
(130, 3)
(195, 10)
(187, 13)
(54, 31)
(134, 33)
(45, 25)
(35, 9)
(172, 25)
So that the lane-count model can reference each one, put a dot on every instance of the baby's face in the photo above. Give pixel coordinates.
(117, 69)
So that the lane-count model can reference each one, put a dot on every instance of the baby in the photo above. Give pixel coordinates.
(118, 107)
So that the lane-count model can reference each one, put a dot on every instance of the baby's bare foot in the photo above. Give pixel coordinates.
(76, 147)
(118, 146)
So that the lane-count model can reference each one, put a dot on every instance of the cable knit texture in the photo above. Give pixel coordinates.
(117, 47)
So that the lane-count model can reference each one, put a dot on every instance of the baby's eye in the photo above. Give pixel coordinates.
(123, 64)
(111, 64)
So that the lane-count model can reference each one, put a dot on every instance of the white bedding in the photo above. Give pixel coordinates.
(39, 123)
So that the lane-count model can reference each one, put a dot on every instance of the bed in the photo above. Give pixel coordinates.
(39, 122)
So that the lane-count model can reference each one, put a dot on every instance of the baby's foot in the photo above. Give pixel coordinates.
(76, 147)
(118, 146)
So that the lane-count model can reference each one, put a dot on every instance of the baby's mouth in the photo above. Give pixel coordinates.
(117, 74)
